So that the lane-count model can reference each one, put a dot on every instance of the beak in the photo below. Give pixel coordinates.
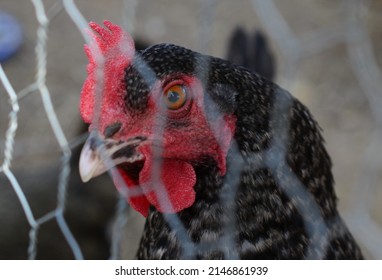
(100, 155)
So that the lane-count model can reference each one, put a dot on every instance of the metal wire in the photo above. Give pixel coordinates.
(350, 31)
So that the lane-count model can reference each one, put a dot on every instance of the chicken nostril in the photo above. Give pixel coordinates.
(112, 129)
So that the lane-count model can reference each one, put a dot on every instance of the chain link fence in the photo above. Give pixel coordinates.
(327, 55)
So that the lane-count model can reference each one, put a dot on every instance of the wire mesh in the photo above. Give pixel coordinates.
(350, 29)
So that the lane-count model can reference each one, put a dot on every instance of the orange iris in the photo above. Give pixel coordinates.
(175, 97)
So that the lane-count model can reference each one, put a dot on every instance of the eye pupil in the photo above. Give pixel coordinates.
(173, 96)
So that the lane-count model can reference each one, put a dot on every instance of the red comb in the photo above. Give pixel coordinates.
(111, 51)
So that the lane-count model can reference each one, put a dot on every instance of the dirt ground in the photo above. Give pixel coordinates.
(324, 81)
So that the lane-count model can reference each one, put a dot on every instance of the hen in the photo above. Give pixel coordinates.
(222, 162)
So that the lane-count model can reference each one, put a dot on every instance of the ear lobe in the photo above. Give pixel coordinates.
(224, 133)
(219, 107)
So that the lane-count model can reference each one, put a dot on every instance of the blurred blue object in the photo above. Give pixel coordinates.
(11, 36)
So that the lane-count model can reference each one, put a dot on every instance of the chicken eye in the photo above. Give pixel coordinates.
(175, 97)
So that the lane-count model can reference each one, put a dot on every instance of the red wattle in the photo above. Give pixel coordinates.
(174, 191)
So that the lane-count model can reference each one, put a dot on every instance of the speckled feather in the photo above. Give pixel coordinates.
(259, 220)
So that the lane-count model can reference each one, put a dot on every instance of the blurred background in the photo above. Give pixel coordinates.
(327, 54)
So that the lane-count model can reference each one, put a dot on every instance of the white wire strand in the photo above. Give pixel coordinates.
(293, 49)
(8, 154)
(351, 32)
(41, 54)
(12, 126)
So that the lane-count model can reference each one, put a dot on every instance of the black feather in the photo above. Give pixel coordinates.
(277, 199)
(252, 52)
